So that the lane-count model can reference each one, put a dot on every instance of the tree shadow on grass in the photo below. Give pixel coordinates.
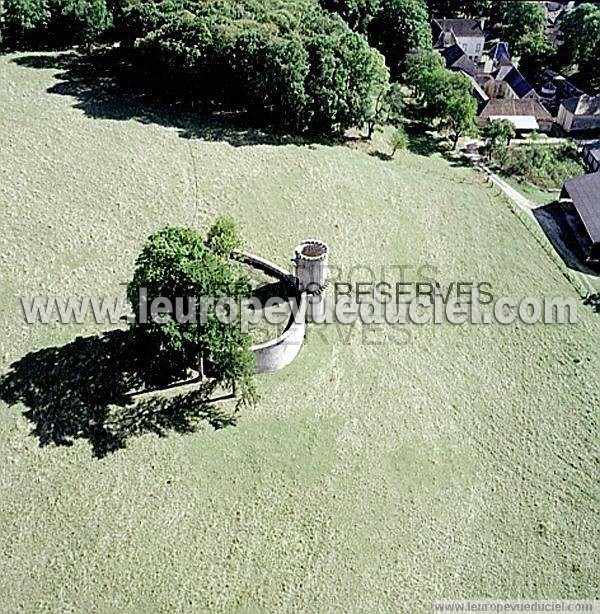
(381, 155)
(106, 85)
(423, 142)
(593, 301)
(82, 391)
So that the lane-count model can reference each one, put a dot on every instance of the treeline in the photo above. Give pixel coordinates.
(301, 65)
(289, 63)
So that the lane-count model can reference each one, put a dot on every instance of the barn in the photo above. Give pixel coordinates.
(584, 192)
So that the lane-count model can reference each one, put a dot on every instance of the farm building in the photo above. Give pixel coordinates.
(468, 34)
(591, 155)
(584, 192)
(556, 89)
(580, 114)
(526, 115)
(507, 82)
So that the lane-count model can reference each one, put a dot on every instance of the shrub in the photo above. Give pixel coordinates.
(53, 23)
(398, 140)
(547, 166)
(223, 237)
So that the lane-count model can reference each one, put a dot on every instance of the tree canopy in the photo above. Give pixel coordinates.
(521, 25)
(581, 33)
(52, 23)
(399, 27)
(499, 131)
(290, 64)
(177, 264)
(441, 94)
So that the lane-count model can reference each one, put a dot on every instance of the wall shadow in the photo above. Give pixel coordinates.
(106, 85)
(565, 231)
(82, 391)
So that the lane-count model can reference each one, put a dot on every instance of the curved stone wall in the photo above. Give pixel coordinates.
(280, 351)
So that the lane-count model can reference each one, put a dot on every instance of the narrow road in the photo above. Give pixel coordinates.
(551, 228)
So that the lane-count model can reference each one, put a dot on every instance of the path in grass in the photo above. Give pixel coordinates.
(589, 277)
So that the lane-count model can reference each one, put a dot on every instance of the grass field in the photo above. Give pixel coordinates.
(381, 470)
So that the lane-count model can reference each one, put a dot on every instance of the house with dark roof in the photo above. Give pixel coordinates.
(468, 34)
(500, 77)
(591, 156)
(507, 82)
(580, 114)
(526, 115)
(555, 89)
(518, 85)
(499, 54)
(584, 193)
(456, 59)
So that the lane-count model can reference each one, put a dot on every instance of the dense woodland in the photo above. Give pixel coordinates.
(318, 66)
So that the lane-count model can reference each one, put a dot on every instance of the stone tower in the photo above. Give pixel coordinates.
(311, 260)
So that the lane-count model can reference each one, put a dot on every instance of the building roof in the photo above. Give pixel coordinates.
(463, 28)
(583, 105)
(456, 59)
(503, 71)
(593, 149)
(507, 106)
(565, 89)
(499, 51)
(478, 91)
(584, 191)
(520, 122)
(517, 83)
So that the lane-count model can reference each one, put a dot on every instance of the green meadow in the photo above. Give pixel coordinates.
(385, 468)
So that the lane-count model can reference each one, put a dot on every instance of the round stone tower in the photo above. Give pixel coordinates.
(311, 258)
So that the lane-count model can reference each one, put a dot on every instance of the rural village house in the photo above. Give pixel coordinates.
(526, 115)
(583, 193)
(580, 114)
(591, 155)
(468, 34)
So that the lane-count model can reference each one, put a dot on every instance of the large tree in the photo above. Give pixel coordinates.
(419, 63)
(461, 111)
(303, 70)
(519, 22)
(459, 8)
(179, 266)
(356, 13)
(522, 26)
(399, 27)
(445, 97)
(581, 33)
